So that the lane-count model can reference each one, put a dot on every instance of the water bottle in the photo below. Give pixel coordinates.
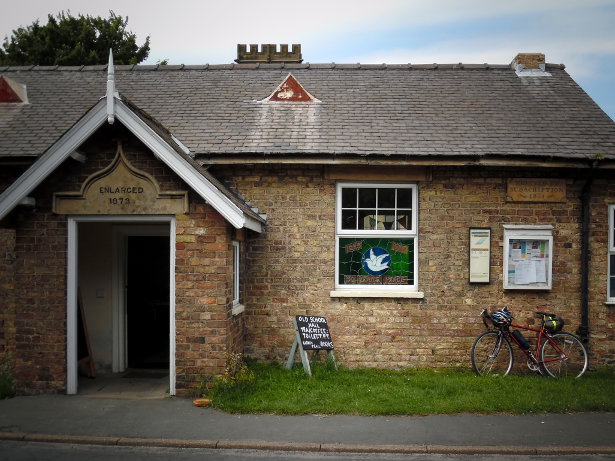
(523, 343)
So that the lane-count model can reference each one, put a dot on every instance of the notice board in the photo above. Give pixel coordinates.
(314, 333)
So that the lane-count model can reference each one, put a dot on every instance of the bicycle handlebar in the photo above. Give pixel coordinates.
(484, 316)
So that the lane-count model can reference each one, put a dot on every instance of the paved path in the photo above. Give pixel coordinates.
(176, 422)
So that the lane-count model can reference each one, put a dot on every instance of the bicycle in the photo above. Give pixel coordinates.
(557, 353)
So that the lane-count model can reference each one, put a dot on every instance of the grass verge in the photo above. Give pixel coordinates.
(410, 392)
(7, 383)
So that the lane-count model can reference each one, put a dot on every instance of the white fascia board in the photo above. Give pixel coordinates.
(180, 166)
(50, 160)
(253, 224)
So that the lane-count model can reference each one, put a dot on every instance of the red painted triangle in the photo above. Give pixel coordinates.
(7, 94)
(290, 90)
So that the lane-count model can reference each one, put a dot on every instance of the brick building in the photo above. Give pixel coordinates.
(190, 211)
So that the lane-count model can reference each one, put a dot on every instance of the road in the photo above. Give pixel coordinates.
(22, 451)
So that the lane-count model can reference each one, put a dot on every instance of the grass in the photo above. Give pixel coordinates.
(7, 383)
(410, 392)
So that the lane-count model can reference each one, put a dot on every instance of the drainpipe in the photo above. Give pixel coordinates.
(583, 330)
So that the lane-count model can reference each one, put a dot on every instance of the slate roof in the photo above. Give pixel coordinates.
(366, 110)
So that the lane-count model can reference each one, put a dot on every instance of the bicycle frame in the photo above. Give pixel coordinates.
(541, 337)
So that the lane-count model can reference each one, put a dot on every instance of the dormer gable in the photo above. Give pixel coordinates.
(12, 91)
(290, 90)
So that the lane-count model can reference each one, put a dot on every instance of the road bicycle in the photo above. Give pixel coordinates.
(556, 354)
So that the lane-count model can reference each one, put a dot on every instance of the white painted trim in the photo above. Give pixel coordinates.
(53, 158)
(118, 312)
(378, 290)
(611, 250)
(110, 90)
(236, 260)
(71, 306)
(390, 293)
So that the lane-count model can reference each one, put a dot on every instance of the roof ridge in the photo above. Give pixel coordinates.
(264, 66)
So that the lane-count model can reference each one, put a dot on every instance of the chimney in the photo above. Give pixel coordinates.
(268, 53)
(529, 61)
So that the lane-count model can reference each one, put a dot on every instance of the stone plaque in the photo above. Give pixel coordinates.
(120, 189)
(536, 190)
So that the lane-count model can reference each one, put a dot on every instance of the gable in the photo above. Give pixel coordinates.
(11, 91)
(290, 90)
(159, 142)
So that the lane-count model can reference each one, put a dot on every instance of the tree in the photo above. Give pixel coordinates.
(71, 41)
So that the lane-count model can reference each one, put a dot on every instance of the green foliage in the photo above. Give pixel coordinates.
(237, 376)
(411, 392)
(7, 382)
(236, 373)
(70, 41)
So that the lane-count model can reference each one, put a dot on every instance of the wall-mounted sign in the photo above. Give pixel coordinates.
(528, 258)
(120, 189)
(536, 190)
(480, 254)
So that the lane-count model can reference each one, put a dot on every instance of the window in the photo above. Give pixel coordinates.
(611, 287)
(376, 238)
(235, 274)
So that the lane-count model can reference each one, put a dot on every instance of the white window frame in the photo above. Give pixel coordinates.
(237, 307)
(610, 296)
(393, 291)
(528, 233)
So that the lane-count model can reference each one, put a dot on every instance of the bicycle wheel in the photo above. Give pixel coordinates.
(551, 354)
(492, 354)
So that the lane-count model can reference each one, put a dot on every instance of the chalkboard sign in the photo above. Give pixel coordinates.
(314, 333)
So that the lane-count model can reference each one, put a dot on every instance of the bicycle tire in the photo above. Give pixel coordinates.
(576, 363)
(492, 354)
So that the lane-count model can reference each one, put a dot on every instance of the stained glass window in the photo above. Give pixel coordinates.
(376, 261)
(376, 235)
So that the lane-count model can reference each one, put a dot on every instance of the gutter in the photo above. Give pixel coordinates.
(583, 330)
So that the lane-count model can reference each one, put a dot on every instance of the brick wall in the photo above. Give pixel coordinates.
(291, 267)
(203, 295)
(7, 288)
(205, 328)
(289, 270)
(601, 316)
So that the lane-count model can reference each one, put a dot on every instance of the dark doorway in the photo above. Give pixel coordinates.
(147, 309)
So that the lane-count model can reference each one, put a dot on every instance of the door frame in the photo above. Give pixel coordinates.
(126, 227)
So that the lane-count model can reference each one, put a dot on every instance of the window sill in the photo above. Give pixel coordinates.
(238, 309)
(376, 294)
(609, 303)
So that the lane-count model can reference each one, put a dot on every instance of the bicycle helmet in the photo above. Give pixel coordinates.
(501, 318)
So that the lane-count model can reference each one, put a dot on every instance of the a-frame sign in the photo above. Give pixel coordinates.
(311, 334)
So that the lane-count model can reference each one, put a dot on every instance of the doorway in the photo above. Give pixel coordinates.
(147, 302)
(140, 309)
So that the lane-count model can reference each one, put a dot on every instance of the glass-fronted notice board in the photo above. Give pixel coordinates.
(528, 258)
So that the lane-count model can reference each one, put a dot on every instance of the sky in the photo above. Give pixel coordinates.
(577, 33)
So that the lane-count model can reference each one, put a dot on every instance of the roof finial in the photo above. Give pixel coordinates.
(110, 90)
